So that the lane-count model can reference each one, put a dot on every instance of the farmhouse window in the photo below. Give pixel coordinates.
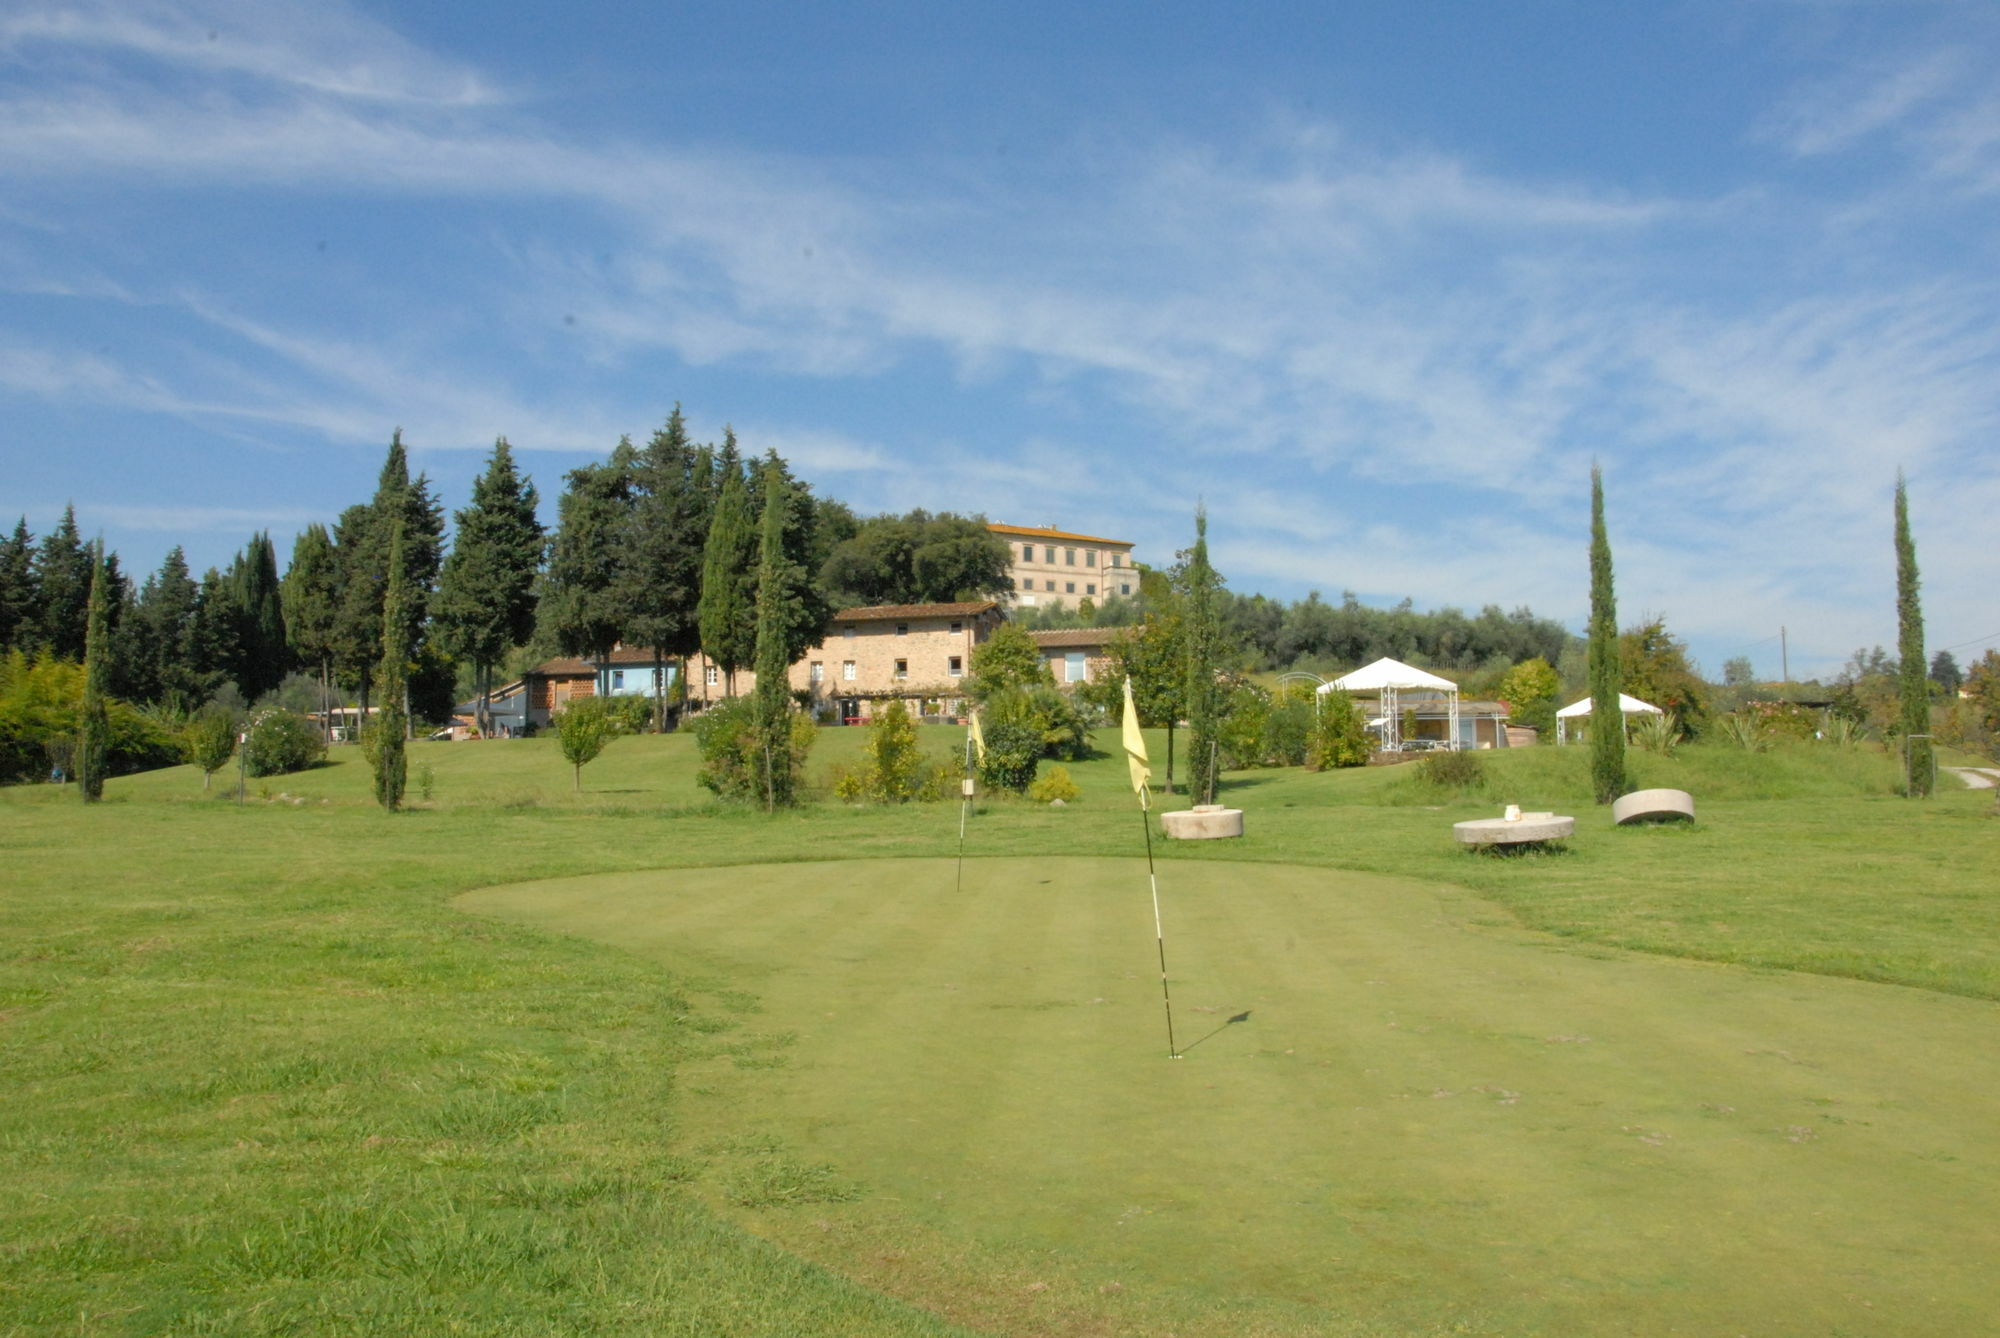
(847, 671)
(902, 668)
(711, 675)
(902, 629)
(957, 669)
(818, 671)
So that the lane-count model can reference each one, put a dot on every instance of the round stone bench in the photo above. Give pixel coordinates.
(1203, 822)
(1528, 829)
(1653, 806)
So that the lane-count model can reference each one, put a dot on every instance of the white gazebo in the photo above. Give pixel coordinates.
(1577, 710)
(1386, 678)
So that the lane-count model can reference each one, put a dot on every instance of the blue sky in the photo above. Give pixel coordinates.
(1377, 283)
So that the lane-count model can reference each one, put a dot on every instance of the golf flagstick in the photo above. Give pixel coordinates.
(1142, 774)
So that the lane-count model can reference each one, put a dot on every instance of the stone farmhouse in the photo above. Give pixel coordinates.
(916, 653)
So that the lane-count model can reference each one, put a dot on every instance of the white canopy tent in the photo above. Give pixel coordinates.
(1577, 710)
(1387, 678)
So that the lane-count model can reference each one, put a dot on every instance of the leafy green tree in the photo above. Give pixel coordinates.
(311, 597)
(62, 577)
(1530, 689)
(93, 746)
(1607, 716)
(387, 732)
(1013, 752)
(727, 610)
(662, 570)
(583, 729)
(210, 741)
(20, 597)
(1152, 656)
(893, 764)
(778, 612)
(919, 558)
(1007, 660)
(581, 607)
(1339, 735)
(485, 602)
(1201, 650)
(1654, 666)
(212, 634)
(1737, 672)
(1914, 718)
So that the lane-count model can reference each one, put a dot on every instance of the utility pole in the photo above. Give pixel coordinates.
(1784, 654)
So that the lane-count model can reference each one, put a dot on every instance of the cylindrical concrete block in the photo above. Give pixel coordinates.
(1203, 822)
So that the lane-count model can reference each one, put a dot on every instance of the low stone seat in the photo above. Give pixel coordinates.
(1528, 829)
(1203, 822)
(1653, 806)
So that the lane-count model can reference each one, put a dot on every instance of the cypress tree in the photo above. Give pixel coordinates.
(387, 757)
(777, 612)
(1607, 715)
(164, 643)
(486, 592)
(261, 656)
(1914, 689)
(727, 613)
(212, 634)
(1199, 649)
(20, 603)
(807, 608)
(93, 744)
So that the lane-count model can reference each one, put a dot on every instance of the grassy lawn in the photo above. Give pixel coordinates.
(261, 1075)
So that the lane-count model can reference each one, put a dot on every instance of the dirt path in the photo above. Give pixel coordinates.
(1977, 778)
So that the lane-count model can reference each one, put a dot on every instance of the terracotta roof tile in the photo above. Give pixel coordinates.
(1038, 533)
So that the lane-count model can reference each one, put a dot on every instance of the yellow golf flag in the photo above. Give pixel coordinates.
(978, 738)
(1135, 747)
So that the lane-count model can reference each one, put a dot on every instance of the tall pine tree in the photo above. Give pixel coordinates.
(808, 611)
(1914, 692)
(63, 573)
(485, 602)
(311, 596)
(164, 639)
(1607, 713)
(727, 611)
(20, 599)
(581, 609)
(93, 744)
(262, 657)
(1201, 651)
(664, 546)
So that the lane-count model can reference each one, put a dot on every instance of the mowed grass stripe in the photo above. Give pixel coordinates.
(1419, 1114)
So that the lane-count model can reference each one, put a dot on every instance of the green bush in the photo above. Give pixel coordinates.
(281, 742)
(1061, 725)
(1339, 736)
(1747, 730)
(1287, 731)
(732, 761)
(893, 769)
(209, 741)
(1013, 751)
(1458, 770)
(1056, 785)
(629, 714)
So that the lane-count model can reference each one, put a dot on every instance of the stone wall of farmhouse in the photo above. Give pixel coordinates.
(916, 658)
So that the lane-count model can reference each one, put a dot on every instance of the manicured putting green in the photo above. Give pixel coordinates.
(1428, 1117)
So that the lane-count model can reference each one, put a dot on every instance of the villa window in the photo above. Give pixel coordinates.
(1069, 587)
(1027, 552)
(902, 668)
(1090, 589)
(1117, 559)
(1050, 584)
(1049, 554)
(1090, 557)
(1027, 584)
(1069, 557)
(1125, 589)
(847, 671)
